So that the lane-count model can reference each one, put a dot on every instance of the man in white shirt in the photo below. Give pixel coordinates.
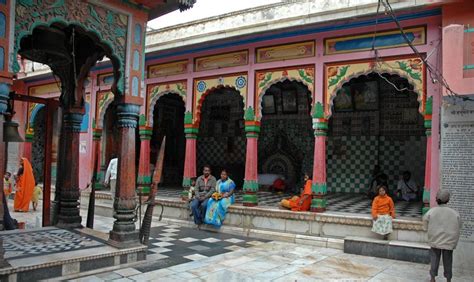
(111, 175)
(407, 189)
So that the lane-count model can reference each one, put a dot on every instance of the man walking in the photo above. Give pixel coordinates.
(444, 226)
(111, 175)
(205, 187)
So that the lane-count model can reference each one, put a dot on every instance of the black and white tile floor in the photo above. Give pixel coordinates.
(173, 245)
(337, 202)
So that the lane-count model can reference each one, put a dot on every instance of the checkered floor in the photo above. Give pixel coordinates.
(22, 244)
(172, 245)
(340, 202)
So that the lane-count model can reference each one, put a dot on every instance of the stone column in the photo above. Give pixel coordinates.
(191, 132)
(124, 233)
(4, 93)
(252, 129)
(320, 126)
(68, 172)
(144, 177)
(426, 189)
(96, 141)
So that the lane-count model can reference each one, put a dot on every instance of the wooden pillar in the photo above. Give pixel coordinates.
(47, 165)
(68, 176)
(4, 92)
(124, 233)
(319, 188)
(191, 131)
(252, 129)
(427, 187)
(144, 178)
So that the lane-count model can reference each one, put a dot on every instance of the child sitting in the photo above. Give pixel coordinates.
(191, 194)
(35, 198)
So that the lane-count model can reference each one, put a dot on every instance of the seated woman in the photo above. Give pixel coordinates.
(220, 201)
(383, 211)
(303, 202)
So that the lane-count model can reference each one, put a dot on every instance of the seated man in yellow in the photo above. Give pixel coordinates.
(303, 202)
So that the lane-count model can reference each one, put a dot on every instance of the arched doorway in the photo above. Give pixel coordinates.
(168, 120)
(286, 139)
(373, 123)
(38, 144)
(221, 139)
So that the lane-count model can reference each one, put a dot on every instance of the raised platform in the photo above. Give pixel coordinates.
(44, 253)
(330, 224)
(398, 250)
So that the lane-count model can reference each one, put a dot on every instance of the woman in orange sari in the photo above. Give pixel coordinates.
(25, 185)
(303, 202)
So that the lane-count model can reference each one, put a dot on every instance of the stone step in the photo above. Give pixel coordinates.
(389, 249)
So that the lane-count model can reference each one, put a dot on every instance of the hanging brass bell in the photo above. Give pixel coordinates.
(10, 132)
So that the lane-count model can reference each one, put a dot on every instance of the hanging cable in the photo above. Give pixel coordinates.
(376, 24)
(74, 55)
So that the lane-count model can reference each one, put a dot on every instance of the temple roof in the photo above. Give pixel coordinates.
(160, 7)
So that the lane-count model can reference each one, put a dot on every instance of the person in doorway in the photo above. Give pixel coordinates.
(383, 211)
(7, 184)
(407, 189)
(444, 226)
(36, 195)
(220, 201)
(111, 175)
(378, 178)
(205, 187)
(302, 202)
(25, 184)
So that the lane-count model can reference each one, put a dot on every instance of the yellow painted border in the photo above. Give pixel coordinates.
(244, 54)
(173, 68)
(259, 51)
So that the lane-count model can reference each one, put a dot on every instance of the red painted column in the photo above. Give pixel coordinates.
(96, 141)
(27, 146)
(191, 131)
(320, 126)
(124, 233)
(427, 188)
(252, 129)
(144, 177)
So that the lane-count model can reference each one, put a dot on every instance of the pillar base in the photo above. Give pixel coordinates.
(69, 222)
(186, 182)
(318, 204)
(123, 240)
(318, 209)
(250, 198)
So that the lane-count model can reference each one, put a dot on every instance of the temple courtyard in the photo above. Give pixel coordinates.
(180, 252)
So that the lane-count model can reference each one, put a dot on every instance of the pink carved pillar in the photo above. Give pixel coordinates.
(252, 129)
(191, 131)
(427, 188)
(144, 178)
(320, 126)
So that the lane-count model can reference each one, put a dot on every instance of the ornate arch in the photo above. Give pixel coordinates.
(264, 79)
(33, 110)
(203, 87)
(108, 26)
(103, 101)
(156, 91)
(411, 68)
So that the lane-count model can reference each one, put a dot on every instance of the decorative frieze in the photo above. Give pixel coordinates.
(234, 59)
(285, 52)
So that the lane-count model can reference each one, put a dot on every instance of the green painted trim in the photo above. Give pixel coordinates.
(424, 210)
(320, 133)
(318, 110)
(319, 188)
(250, 199)
(319, 203)
(469, 30)
(252, 128)
(428, 124)
(142, 120)
(429, 106)
(144, 179)
(144, 189)
(250, 186)
(188, 118)
(99, 185)
(428, 132)
(145, 133)
(251, 135)
(249, 114)
(186, 182)
(191, 130)
(426, 195)
(468, 67)
(320, 126)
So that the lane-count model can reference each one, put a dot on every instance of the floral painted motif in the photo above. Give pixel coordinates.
(336, 74)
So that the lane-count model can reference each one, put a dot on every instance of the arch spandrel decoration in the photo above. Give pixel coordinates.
(411, 68)
(33, 109)
(103, 100)
(264, 79)
(204, 86)
(108, 25)
(156, 91)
